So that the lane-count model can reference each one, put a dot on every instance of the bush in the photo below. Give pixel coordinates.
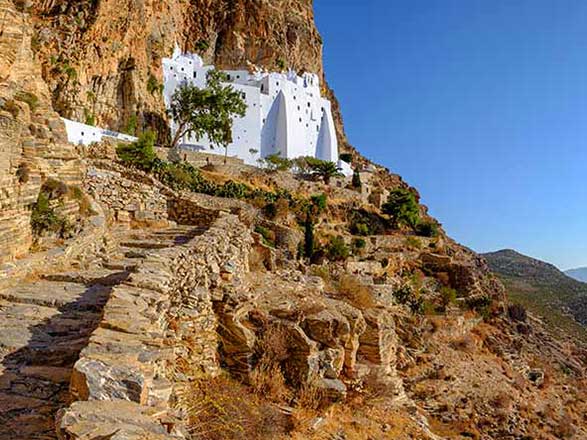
(337, 249)
(360, 229)
(131, 125)
(448, 296)
(413, 243)
(29, 98)
(428, 229)
(275, 162)
(402, 206)
(89, 117)
(322, 168)
(153, 85)
(406, 295)
(517, 312)
(140, 154)
(202, 46)
(44, 219)
(267, 235)
(346, 157)
(356, 182)
(359, 244)
(11, 107)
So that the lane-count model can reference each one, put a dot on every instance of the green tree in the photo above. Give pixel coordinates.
(207, 112)
(323, 168)
(313, 208)
(140, 154)
(356, 182)
(403, 207)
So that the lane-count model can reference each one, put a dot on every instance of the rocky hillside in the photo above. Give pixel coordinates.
(180, 301)
(580, 274)
(541, 287)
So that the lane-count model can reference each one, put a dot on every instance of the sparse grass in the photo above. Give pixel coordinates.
(11, 107)
(412, 242)
(224, 409)
(29, 98)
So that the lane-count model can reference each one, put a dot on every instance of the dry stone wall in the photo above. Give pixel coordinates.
(158, 333)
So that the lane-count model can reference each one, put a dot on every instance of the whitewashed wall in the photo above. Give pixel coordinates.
(82, 134)
(285, 112)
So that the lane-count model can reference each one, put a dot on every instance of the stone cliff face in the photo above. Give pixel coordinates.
(33, 144)
(102, 60)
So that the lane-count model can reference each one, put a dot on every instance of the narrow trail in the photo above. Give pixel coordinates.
(45, 323)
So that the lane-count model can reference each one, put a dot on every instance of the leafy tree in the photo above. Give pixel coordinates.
(313, 209)
(208, 111)
(403, 207)
(322, 168)
(428, 229)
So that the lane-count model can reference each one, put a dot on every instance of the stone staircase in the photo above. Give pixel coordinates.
(46, 322)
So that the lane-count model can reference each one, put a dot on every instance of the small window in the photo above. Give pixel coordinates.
(295, 97)
(308, 104)
(264, 120)
(182, 69)
(195, 74)
(171, 67)
(300, 119)
(83, 134)
(262, 87)
(299, 108)
(238, 77)
(277, 83)
(317, 128)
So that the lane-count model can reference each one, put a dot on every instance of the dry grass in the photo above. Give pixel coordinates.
(224, 409)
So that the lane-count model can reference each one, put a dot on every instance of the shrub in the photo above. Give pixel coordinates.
(322, 168)
(11, 107)
(280, 63)
(276, 162)
(29, 98)
(89, 117)
(406, 295)
(85, 207)
(44, 219)
(131, 125)
(448, 296)
(346, 157)
(359, 244)
(337, 249)
(202, 46)
(402, 206)
(54, 189)
(320, 202)
(140, 154)
(517, 312)
(268, 235)
(428, 229)
(153, 85)
(224, 409)
(356, 182)
(360, 229)
(413, 243)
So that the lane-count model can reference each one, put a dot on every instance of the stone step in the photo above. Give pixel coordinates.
(102, 276)
(57, 294)
(144, 244)
(122, 264)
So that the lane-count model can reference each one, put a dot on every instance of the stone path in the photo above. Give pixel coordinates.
(44, 324)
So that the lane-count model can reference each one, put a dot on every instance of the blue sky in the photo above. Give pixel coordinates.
(480, 104)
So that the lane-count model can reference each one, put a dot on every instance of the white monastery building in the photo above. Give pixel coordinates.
(286, 114)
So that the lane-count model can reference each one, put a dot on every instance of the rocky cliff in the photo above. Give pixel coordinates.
(102, 60)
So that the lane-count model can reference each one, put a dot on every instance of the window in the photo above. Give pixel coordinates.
(295, 97)
(264, 120)
(308, 104)
(83, 134)
(299, 109)
(300, 119)
(238, 77)
(195, 74)
(262, 87)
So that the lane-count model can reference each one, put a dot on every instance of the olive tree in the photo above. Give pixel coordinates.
(208, 111)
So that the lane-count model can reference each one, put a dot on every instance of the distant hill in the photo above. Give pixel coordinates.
(542, 288)
(580, 274)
